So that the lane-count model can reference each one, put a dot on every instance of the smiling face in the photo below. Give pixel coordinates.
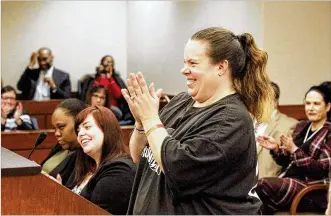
(64, 125)
(91, 137)
(45, 59)
(8, 99)
(315, 107)
(202, 77)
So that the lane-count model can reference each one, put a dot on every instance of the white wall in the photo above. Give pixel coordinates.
(159, 30)
(297, 38)
(150, 36)
(78, 32)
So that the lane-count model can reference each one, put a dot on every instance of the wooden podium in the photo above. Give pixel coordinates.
(25, 191)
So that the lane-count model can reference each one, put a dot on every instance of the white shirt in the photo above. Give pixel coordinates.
(261, 128)
(43, 89)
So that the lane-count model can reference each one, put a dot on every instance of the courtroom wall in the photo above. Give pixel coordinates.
(150, 36)
(78, 32)
(297, 36)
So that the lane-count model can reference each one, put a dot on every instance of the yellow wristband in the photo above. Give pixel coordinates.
(154, 128)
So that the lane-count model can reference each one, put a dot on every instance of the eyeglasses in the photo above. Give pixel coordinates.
(8, 98)
(100, 97)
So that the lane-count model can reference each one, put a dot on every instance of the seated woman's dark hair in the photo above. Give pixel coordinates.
(324, 90)
(72, 106)
(97, 88)
(101, 63)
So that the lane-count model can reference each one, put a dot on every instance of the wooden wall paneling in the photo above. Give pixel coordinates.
(294, 111)
(25, 191)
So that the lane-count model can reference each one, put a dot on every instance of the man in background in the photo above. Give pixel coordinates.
(44, 81)
(279, 124)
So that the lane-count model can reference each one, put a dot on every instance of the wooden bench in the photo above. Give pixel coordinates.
(42, 111)
(22, 142)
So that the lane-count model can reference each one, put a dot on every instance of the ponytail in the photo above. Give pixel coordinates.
(253, 84)
(247, 64)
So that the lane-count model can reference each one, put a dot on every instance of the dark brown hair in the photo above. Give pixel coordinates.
(8, 88)
(276, 90)
(97, 88)
(247, 63)
(104, 57)
(112, 148)
(71, 106)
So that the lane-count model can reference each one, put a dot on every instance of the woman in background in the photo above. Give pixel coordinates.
(305, 157)
(98, 95)
(109, 78)
(63, 120)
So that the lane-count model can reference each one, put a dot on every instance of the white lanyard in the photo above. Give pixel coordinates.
(310, 135)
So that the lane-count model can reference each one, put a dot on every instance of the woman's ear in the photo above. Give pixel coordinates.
(222, 67)
(328, 107)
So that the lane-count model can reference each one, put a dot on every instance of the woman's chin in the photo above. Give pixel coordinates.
(87, 150)
(190, 92)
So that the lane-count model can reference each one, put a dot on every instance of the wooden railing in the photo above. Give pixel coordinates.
(22, 142)
(43, 110)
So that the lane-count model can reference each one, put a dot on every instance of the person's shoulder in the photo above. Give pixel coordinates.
(181, 96)
(117, 74)
(60, 72)
(32, 69)
(178, 99)
(122, 163)
(328, 125)
(234, 106)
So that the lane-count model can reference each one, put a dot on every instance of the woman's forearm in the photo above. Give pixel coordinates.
(137, 143)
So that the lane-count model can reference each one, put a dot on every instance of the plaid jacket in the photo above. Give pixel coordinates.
(315, 165)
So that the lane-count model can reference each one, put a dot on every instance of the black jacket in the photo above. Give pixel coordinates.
(122, 104)
(29, 79)
(111, 185)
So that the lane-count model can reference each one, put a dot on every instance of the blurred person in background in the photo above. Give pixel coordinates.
(12, 115)
(44, 81)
